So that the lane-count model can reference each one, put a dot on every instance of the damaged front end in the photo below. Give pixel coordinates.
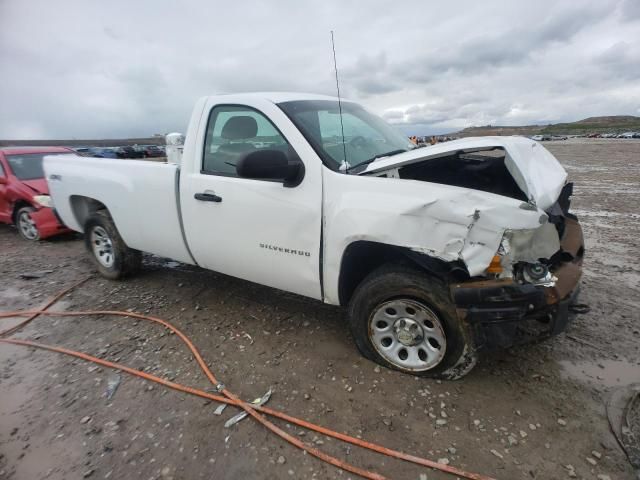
(532, 289)
(524, 258)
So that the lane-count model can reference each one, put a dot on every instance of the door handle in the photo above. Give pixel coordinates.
(207, 197)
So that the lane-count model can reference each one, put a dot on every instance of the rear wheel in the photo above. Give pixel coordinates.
(111, 256)
(26, 226)
(404, 319)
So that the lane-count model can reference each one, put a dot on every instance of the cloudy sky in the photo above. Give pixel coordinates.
(105, 69)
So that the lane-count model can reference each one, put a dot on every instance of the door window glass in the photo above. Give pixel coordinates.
(234, 131)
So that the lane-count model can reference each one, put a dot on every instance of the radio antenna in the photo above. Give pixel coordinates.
(345, 165)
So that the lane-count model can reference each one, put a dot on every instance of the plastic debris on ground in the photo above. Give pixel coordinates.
(258, 401)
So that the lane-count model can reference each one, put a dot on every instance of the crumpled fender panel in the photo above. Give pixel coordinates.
(449, 223)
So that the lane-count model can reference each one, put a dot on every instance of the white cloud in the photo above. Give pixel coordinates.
(87, 68)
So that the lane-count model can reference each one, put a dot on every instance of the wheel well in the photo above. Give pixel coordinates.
(84, 207)
(363, 257)
(17, 206)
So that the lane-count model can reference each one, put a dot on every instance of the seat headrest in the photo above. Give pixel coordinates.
(240, 127)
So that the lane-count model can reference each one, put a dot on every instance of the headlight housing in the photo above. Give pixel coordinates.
(521, 255)
(43, 200)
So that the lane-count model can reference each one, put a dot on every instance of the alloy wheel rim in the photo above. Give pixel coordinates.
(102, 247)
(27, 226)
(408, 334)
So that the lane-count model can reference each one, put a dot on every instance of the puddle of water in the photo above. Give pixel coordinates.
(10, 293)
(610, 373)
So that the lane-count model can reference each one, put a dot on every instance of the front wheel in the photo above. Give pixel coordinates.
(113, 259)
(26, 226)
(403, 319)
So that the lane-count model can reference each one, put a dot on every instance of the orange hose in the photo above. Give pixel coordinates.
(203, 394)
(33, 316)
(233, 400)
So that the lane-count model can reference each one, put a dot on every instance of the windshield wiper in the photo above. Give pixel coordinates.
(374, 158)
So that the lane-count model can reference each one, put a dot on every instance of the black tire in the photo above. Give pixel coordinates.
(25, 225)
(124, 262)
(399, 283)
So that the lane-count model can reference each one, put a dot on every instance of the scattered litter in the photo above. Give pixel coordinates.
(623, 412)
(249, 337)
(34, 275)
(219, 409)
(580, 308)
(258, 402)
(112, 385)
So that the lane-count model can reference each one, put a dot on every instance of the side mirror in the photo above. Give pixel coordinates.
(271, 165)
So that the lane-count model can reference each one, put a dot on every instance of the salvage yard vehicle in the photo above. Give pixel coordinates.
(149, 151)
(437, 252)
(24, 195)
(128, 152)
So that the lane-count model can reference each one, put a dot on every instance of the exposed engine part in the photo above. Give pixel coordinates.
(536, 274)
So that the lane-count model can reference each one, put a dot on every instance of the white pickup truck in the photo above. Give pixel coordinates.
(438, 252)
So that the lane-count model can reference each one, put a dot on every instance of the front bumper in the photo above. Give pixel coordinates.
(503, 313)
(48, 223)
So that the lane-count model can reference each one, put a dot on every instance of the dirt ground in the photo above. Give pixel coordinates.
(529, 412)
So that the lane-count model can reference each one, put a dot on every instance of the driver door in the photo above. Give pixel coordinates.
(257, 230)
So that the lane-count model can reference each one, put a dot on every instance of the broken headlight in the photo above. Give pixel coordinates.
(522, 253)
(43, 200)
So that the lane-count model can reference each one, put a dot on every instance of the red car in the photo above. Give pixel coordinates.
(24, 194)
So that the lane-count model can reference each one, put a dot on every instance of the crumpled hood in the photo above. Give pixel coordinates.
(536, 171)
(38, 185)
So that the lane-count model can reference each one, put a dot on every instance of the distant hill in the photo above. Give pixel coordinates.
(609, 124)
(112, 142)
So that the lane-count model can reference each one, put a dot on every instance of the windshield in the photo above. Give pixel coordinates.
(28, 166)
(366, 136)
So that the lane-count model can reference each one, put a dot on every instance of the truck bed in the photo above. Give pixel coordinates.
(141, 196)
